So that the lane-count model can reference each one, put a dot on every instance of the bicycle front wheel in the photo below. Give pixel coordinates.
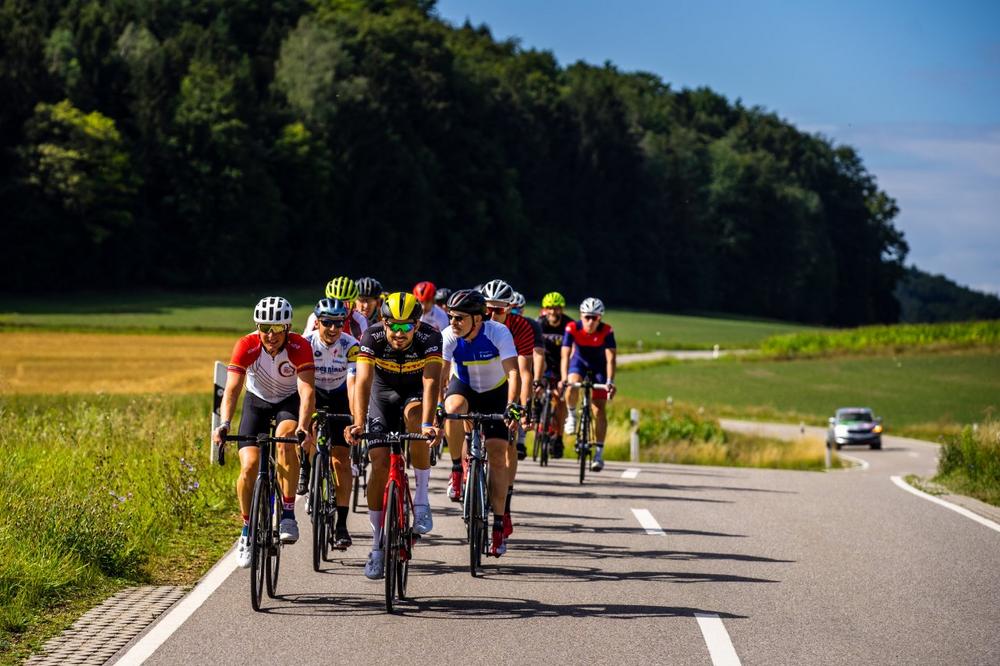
(583, 443)
(319, 493)
(390, 545)
(274, 542)
(474, 503)
(259, 522)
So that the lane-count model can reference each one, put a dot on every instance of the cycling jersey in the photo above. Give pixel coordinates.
(333, 362)
(436, 317)
(356, 325)
(526, 337)
(402, 370)
(271, 379)
(479, 362)
(553, 337)
(588, 350)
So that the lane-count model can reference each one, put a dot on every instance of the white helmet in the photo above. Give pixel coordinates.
(273, 310)
(498, 290)
(518, 301)
(592, 306)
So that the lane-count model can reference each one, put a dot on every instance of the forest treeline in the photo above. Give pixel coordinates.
(203, 143)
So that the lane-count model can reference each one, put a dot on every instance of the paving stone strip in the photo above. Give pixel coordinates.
(105, 629)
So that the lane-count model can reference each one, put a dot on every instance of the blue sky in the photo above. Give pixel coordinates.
(915, 86)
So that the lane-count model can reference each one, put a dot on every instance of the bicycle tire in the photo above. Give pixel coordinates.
(473, 498)
(583, 442)
(544, 455)
(406, 548)
(390, 546)
(258, 545)
(274, 539)
(318, 509)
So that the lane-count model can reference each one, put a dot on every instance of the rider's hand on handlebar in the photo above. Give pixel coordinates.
(351, 433)
(219, 434)
(611, 390)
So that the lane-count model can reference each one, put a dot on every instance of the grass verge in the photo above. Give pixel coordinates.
(970, 463)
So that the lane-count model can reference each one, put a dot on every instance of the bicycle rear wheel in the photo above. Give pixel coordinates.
(319, 490)
(390, 545)
(259, 519)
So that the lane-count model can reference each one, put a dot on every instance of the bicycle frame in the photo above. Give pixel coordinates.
(585, 430)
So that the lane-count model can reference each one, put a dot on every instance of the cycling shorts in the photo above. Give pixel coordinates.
(493, 401)
(334, 402)
(597, 377)
(257, 415)
(385, 411)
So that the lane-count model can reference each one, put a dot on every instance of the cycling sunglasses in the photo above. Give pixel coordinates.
(494, 309)
(457, 317)
(332, 323)
(271, 328)
(401, 328)
(591, 317)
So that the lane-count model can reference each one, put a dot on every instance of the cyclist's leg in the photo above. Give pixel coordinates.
(572, 396)
(420, 457)
(256, 419)
(287, 459)
(599, 403)
(456, 402)
(496, 453)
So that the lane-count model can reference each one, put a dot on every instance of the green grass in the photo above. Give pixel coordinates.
(970, 462)
(885, 339)
(907, 391)
(99, 492)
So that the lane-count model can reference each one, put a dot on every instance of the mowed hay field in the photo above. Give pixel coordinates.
(44, 362)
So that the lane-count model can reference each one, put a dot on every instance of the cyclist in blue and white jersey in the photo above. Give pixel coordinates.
(480, 358)
(335, 354)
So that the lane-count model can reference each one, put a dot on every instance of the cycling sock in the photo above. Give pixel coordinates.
(375, 518)
(497, 523)
(288, 507)
(423, 480)
(342, 516)
(246, 529)
(520, 435)
(599, 454)
(506, 506)
(456, 465)
(246, 520)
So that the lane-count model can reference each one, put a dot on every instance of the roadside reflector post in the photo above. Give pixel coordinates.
(829, 455)
(638, 345)
(634, 441)
(715, 351)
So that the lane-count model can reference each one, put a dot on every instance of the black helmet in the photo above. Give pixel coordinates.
(467, 301)
(441, 295)
(369, 287)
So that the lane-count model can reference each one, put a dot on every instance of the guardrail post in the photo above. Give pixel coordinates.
(634, 441)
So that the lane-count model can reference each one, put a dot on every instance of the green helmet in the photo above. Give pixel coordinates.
(342, 288)
(553, 299)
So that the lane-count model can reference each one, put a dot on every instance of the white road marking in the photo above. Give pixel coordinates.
(899, 481)
(913, 454)
(857, 461)
(648, 523)
(630, 473)
(170, 622)
(720, 648)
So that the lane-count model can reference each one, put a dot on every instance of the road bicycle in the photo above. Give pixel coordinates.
(397, 523)
(544, 409)
(585, 426)
(321, 503)
(265, 516)
(475, 493)
(359, 470)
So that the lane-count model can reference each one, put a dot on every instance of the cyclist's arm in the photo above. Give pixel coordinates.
(539, 362)
(445, 378)
(362, 392)
(612, 358)
(524, 375)
(510, 366)
(306, 381)
(350, 393)
(566, 350)
(234, 385)
(432, 380)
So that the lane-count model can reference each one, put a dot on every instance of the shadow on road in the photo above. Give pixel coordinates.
(546, 548)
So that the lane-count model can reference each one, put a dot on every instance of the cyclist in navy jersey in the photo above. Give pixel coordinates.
(553, 322)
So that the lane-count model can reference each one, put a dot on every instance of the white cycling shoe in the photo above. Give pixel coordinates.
(375, 566)
(570, 426)
(423, 522)
(243, 552)
(288, 530)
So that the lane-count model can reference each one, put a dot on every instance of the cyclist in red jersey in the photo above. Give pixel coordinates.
(530, 362)
(277, 367)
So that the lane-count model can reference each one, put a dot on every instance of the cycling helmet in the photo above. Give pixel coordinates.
(424, 291)
(342, 288)
(401, 306)
(553, 299)
(441, 295)
(518, 301)
(330, 307)
(369, 287)
(592, 306)
(478, 288)
(498, 290)
(467, 301)
(273, 310)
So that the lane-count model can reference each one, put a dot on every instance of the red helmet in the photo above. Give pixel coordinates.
(424, 291)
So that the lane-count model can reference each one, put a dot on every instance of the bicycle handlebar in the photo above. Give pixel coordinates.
(392, 437)
(593, 386)
(475, 417)
(265, 438)
(345, 418)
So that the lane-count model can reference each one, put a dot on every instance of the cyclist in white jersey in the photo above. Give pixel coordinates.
(480, 357)
(335, 354)
(346, 290)
(277, 368)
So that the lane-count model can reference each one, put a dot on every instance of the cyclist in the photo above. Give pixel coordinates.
(335, 354)
(369, 298)
(554, 322)
(479, 356)
(277, 367)
(441, 296)
(530, 359)
(518, 303)
(346, 290)
(396, 390)
(433, 314)
(588, 348)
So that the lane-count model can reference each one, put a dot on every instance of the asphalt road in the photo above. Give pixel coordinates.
(799, 568)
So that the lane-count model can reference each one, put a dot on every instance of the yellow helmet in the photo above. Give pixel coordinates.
(342, 288)
(401, 306)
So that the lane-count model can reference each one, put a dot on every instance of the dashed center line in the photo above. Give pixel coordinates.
(720, 648)
(630, 473)
(648, 523)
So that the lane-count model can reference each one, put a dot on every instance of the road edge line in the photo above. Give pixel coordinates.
(860, 462)
(720, 646)
(648, 522)
(177, 616)
(901, 482)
